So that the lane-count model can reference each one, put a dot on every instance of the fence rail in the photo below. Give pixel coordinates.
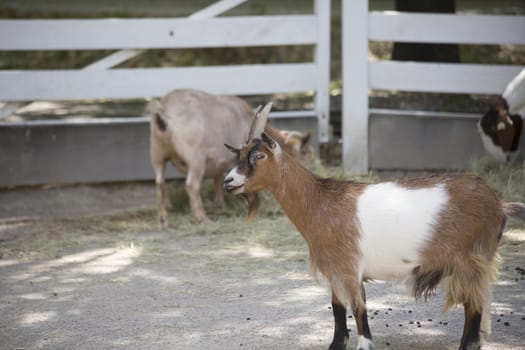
(440, 77)
(444, 28)
(360, 75)
(151, 33)
(150, 82)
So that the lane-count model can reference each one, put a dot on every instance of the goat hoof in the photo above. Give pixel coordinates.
(220, 204)
(338, 345)
(472, 346)
(204, 220)
(163, 223)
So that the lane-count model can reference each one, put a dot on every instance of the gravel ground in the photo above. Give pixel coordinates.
(86, 267)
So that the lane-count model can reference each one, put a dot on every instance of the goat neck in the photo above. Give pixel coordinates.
(308, 200)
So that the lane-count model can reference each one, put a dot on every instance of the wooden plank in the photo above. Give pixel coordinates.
(275, 115)
(355, 83)
(147, 82)
(100, 34)
(121, 56)
(441, 77)
(443, 28)
(322, 60)
(216, 9)
(114, 59)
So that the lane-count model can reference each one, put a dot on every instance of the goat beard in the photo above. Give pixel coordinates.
(252, 202)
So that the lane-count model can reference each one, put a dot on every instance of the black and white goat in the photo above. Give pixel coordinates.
(437, 230)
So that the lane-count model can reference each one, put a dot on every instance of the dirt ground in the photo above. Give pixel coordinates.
(86, 267)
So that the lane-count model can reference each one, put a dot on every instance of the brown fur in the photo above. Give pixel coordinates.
(461, 254)
(329, 241)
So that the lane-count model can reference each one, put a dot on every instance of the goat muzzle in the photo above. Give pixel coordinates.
(230, 187)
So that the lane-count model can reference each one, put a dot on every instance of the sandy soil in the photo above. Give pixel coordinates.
(74, 277)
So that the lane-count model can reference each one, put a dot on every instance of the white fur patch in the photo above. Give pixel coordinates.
(396, 222)
(364, 343)
(277, 151)
(495, 151)
(238, 179)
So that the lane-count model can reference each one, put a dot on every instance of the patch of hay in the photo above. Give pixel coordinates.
(508, 179)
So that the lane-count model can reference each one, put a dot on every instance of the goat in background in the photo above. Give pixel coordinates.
(501, 126)
(187, 128)
(430, 231)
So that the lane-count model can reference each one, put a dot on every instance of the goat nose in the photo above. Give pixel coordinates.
(228, 180)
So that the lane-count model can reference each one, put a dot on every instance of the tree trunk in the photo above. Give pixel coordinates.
(426, 52)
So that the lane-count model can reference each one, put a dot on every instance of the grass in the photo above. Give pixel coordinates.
(508, 179)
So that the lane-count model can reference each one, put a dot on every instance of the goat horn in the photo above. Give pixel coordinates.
(259, 120)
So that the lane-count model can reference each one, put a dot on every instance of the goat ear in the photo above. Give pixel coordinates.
(271, 143)
(259, 121)
(254, 122)
(305, 138)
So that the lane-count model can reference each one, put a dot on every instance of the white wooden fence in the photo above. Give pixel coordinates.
(116, 149)
(200, 30)
(361, 75)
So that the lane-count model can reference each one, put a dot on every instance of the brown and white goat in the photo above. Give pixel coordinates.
(187, 127)
(501, 126)
(437, 230)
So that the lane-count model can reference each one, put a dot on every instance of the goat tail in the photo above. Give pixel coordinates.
(515, 210)
(155, 111)
(153, 107)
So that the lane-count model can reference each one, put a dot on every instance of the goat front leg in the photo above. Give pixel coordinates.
(218, 197)
(340, 327)
(364, 336)
(193, 188)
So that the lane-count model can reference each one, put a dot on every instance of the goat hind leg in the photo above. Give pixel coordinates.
(193, 188)
(472, 286)
(159, 167)
(364, 336)
(471, 339)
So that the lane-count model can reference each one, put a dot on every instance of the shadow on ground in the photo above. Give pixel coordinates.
(99, 280)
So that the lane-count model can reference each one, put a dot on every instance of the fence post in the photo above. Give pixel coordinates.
(322, 60)
(355, 86)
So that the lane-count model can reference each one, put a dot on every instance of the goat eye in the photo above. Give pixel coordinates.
(260, 156)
